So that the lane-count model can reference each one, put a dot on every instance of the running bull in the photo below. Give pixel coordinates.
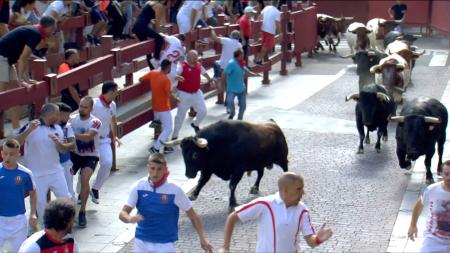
(230, 148)
(329, 27)
(421, 124)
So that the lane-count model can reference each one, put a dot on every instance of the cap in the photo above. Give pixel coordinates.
(249, 9)
(235, 34)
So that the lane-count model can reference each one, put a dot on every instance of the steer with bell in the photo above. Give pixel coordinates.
(230, 148)
(422, 123)
(373, 107)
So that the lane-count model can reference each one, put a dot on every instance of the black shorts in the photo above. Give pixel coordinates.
(81, 162)
(4, 12)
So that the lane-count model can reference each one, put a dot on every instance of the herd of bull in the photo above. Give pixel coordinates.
(384, 60)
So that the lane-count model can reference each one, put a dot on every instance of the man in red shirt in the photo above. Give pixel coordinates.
(246, 28)
(161, 88)
(189, 76)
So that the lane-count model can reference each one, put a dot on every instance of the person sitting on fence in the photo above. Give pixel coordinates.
(116, 19)
(16, 46)
(21, 11)
(70, 95)
(4, 17)
(98, 19)
(229, 46)
(127, 7)
(161, 88)
(246, 28)
(270, 16)
(189, 75)
(188, 16)
(152, 12)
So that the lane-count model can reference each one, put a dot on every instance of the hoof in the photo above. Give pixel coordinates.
(193, 197)
(249, 173)
(367, 141)
(254, 190)
(439, 171)
(384, 138)
(231, 209)
(378, 150)
(429, 181)
(269, 167)
(360, 151)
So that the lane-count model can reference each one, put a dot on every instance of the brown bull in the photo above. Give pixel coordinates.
(329, 27)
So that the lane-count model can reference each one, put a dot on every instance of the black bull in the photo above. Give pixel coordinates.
(228, 149)
(422, 123)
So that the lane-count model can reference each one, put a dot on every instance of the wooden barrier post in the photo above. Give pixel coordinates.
(284, 39)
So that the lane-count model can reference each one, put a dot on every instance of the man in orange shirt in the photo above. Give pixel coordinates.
(161, 88)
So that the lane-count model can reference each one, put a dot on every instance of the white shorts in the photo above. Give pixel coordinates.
(14, 231)
(184, 25)
(148, 247)
(7, 72)
(431, 244)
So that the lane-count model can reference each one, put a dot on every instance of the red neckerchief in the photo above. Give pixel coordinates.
(162, 181)
(242, 63)
(42, 30)
(50, 237)
(102, 98)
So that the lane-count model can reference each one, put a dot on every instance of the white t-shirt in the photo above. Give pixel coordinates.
(274, 218)
(437, 200)
(174, 52)
(41, 155)
(104, 114)
(270, 16)
(89, 148)
(40, 242)
(58, 7)
(228, 48)
(184, 13)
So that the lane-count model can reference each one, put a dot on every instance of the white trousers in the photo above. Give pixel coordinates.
(184, 24)
(167, 126)
(69, 177)
(106, 161)
(148, 247)
(188, 100)
(55, 182)
(13, 231)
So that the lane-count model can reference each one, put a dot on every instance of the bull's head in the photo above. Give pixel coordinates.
(368, 102)
(414, 130)
(194, 153)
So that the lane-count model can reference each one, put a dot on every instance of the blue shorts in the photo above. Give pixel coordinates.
(97, 15)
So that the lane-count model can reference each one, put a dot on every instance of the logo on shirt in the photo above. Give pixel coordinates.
(164, 199)
(144, 195)
(18, 180)
(1, 177)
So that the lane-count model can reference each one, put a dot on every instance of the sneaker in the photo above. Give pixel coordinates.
(97, 41)
(196, 128)
(153, 150)
(90, 39)
(79, 200)
(94, 196)
(168, 150)
(155, 123)
(82, 222)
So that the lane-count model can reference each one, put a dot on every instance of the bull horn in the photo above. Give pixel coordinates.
(399, 119)
(346, 56)
(433, 120)
(383, 96)
(201, 142)
(417, 36)
(171, 143)
(371, 53)
(352, 96)
(348, 18)
(418, 53)
(375, 68)
(399, 89)
(400, 66)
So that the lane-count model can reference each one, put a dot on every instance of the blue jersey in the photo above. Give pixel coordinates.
(14, 184)
(160, 209)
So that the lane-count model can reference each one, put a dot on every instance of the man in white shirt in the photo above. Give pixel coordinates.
(44, 141)
(188, 15)
(229, 46)
(280, 217)
(174, 52)
(58, 9)
(86, 128)
(271, 17)
(105, 110)
(436, 198)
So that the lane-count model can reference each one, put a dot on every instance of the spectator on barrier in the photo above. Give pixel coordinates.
(174, 52)
(127, 7)
(69, 137)
(59, 10)
(246, 28)
(189, 77)
(58, 219)
(173, 10)
(98, 19)
(234, 72)
(277, 232)
(152, 12)
(44, 141)
(436, 199)
(271, 17)
(158, 201)
(210, 12)
(116, 19)
(16, 183)
(229, 45)
(398, 13)
(70, 95)
(85, 156)
(188, 15)
(16, 47)
(4, 17)
(21, 10)
(160, 85)
(105, 110)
